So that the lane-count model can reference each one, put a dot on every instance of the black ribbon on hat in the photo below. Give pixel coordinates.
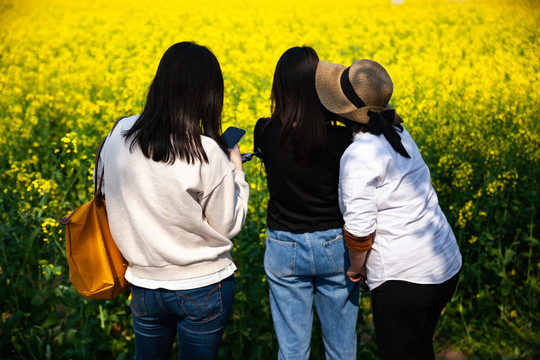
(381, 123)
(348, 90)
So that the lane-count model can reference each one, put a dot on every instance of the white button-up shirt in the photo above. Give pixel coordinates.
(386, 193)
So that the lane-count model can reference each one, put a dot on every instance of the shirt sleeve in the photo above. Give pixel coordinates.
(357, 244)
(358, 181)
(257, 132)
(225, 206)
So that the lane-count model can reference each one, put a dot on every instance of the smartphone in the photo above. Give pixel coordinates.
(233, 135)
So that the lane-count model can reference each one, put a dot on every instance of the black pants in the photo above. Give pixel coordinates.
(405, 317)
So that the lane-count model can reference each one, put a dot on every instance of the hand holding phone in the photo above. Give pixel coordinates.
(232, 136)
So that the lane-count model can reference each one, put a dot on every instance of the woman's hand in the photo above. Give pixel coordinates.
(236, 158)
(357, 274)
(357, 271)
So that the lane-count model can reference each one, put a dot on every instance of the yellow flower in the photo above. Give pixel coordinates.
(513, 314)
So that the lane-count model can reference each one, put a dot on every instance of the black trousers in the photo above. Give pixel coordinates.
(406, 315)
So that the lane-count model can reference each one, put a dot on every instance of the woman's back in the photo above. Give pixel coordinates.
(392, 196)
(303, 198)
(169, 216)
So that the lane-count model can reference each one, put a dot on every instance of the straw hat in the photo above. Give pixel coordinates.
(354, 91)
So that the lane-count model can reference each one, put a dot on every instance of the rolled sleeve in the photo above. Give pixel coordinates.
(357, 244)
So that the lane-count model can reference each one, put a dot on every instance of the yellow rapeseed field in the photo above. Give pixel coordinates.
(466, 77)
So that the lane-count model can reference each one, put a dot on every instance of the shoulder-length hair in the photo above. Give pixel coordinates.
(184, 101)
(295, 104)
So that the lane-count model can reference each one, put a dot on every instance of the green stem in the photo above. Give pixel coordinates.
(101, 317)
(463, 320)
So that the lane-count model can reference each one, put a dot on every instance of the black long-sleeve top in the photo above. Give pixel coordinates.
(302, 198)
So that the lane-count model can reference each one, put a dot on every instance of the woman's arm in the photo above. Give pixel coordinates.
(357, 271)
(358, 249)
(358, 179)
(225, 206)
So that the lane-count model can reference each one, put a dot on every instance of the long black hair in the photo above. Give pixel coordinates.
(295, 104)
(184, 101)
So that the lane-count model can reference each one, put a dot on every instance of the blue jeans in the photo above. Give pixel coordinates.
(304, 267)
(198, 316)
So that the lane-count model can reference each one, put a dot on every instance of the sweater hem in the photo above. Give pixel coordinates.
(180, 272)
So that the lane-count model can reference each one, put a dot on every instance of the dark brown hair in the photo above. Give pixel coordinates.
(184, 101)
(295, 104)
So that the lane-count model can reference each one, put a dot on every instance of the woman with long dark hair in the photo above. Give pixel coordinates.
(175, 197)
(306, 258)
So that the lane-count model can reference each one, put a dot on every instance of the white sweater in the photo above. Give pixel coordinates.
(172, 222)
(386, 193)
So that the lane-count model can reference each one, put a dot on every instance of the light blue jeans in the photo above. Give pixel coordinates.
(304, 267)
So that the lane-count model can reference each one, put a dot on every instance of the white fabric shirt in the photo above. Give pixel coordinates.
(387, 194)
(185, 284)
(173, 223)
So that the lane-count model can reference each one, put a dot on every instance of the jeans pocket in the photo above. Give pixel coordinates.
(201, 304)
(337, 254)
(279, 257)
(138, 306)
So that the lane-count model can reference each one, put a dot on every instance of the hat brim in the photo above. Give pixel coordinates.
(328, 86)
(327, 83)
(361, 115)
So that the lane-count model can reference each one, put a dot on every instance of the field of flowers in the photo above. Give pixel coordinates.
(466, 79)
